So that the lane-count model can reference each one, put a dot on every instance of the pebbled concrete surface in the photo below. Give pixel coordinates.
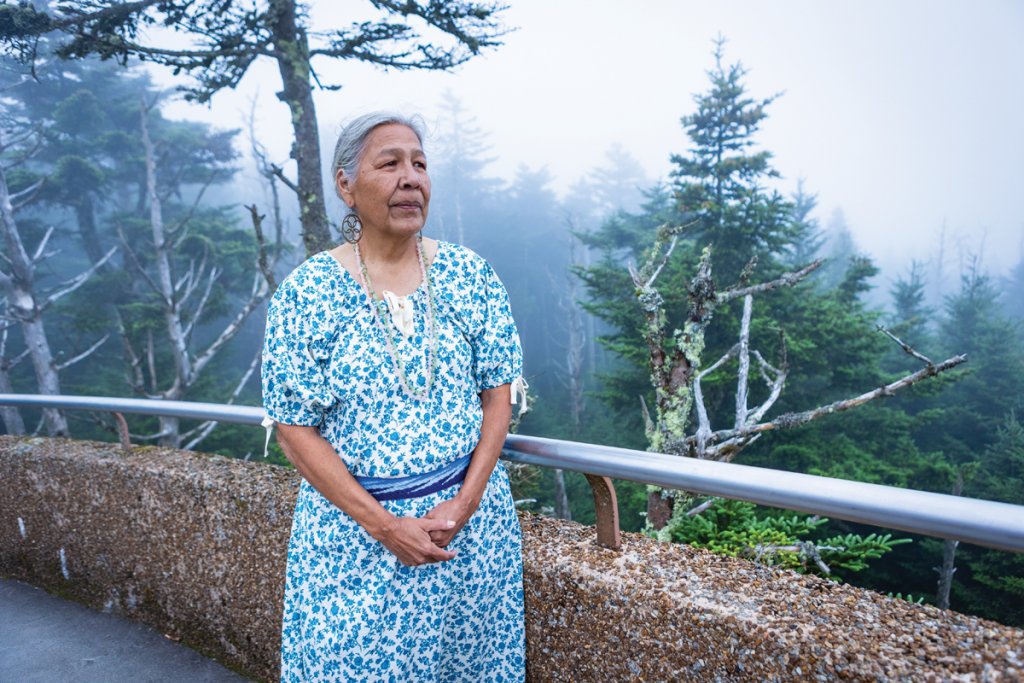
(195, 546)
(45, 639)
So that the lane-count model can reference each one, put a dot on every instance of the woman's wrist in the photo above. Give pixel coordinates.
(381, 525)
(468, 503)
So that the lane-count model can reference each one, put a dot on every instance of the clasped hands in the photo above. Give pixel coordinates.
(422, 540)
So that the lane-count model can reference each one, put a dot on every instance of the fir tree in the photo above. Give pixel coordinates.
(226, 38)
(718, 184)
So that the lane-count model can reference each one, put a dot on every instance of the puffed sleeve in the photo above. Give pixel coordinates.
(497, 353)
(296, 350)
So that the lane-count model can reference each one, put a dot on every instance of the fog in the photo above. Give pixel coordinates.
(903, 119)
(904, 115)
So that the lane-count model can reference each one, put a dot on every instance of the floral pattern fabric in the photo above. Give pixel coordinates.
(352, 611)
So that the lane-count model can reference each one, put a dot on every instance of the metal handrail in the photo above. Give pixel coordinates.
(983, 522)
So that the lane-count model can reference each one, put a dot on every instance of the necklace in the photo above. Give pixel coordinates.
(396, 358)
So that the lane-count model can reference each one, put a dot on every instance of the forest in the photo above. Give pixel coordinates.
(137, 262)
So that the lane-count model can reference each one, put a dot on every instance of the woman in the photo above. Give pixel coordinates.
(387, 369)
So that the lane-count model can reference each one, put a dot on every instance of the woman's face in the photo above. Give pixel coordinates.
(391, 190)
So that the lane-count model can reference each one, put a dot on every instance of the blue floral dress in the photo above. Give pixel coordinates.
(352, 611)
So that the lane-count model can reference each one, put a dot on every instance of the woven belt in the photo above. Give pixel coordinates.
(418, 485)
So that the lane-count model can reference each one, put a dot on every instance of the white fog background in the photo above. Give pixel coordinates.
(905, 115)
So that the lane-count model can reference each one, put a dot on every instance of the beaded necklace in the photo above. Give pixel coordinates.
(396, 358)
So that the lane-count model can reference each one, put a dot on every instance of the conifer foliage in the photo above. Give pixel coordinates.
(226, 38)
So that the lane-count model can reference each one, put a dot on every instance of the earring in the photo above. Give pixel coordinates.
(351, 228)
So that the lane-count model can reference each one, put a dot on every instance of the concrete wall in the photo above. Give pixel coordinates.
(195, 546)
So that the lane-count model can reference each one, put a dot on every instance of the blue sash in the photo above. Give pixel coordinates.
(418, 485)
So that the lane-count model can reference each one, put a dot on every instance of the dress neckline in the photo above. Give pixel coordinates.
(353, 282)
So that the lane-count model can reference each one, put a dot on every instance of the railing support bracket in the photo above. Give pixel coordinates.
(607, 507)
(122, 431)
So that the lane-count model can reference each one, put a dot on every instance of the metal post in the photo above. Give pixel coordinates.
(607, 507)
(122, 431)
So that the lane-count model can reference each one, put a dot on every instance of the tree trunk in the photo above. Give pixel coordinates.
(161, 257)
(13, 423)
(946, 573)
(179, 319)
(948, 556)
(169, 429)
(292, 55)
(85, 213)
(575, 344)
(46, 371)
(24, 308)
(659, 510)
(562, 510)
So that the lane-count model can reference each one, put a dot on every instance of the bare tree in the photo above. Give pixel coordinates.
(13, 423)
(461, 155)
(949, 546)
(183, 299)
(573, 367)
(25, 304)
(677, 367)
(272, 174)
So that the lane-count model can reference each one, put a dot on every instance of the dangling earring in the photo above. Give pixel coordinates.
(351, 228)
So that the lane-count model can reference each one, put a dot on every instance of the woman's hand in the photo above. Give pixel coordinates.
(410, 539)
(453, 509)
(407, 537)
(497, 410)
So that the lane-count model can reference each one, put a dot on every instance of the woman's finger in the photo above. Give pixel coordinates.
(430, 524)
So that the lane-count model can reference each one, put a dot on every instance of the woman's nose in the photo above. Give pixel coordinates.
(410, 176)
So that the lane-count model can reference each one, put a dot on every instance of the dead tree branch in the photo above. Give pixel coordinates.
(74, 283)
(807, 550)
(730, 437)
(904, 345)
(84, 354)
(785, 280)
(266, 269)
(677, 375)
(200, 433)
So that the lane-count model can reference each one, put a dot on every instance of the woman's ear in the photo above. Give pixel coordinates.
(344, 187)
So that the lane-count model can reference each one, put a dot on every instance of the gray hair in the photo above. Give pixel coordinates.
(352, 140)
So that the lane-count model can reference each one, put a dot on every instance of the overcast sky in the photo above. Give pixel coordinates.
(904, 114)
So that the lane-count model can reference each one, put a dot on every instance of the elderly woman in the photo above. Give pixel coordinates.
(387, 369)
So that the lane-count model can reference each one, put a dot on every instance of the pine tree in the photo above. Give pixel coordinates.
(462, 193)
(992, 385)
(227, 37)
(91, 168)
(1013, 291)
(718, 184)
(719, 214)
(807, 238)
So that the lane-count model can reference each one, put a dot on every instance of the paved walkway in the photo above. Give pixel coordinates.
(44, 639)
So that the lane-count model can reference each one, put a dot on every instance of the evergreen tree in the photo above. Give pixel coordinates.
(718, 184)
(226, 37)
(807, 237)
(1013, 291)
(526, 241)
(617, 185)
(840, 250)
(910, 318)
(91, 164)
(464, 198)
(829, 337)
(991, 582)
(967, 418)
